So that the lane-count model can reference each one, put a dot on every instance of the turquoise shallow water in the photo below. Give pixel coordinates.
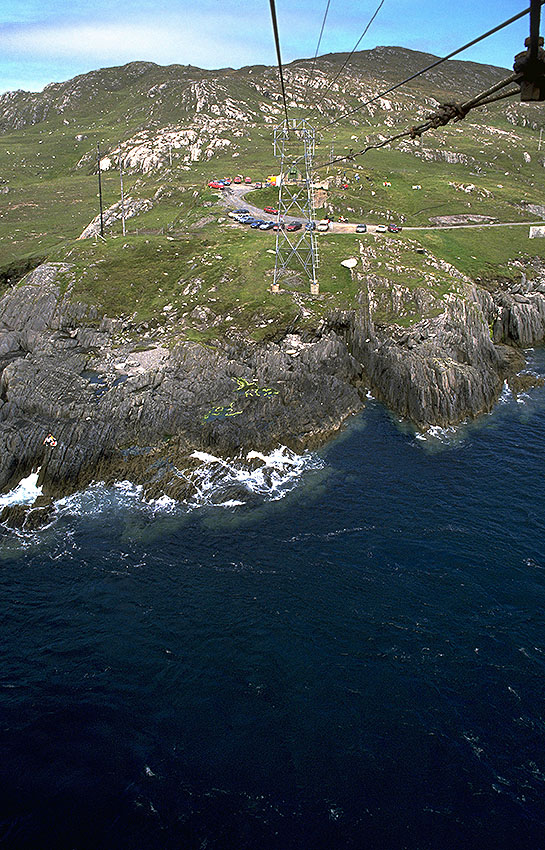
(356, 665)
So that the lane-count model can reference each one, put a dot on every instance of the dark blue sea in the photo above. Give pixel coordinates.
(358, 664)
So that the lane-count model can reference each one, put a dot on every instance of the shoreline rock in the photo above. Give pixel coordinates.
(117, 413)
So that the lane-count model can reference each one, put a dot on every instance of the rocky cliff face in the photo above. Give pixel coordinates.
(124, 410)
(120, 411)
(451, 367)
(516, 313)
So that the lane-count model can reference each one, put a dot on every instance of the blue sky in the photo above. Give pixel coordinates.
(44, 41)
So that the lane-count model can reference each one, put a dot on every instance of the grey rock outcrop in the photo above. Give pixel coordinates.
(447, 368)
(64, 372)
(439, 371)
(118, 410)
(516, 312)
(132, 207)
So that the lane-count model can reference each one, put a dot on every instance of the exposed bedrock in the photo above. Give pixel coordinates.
(117, 411)
(439, 371)
(445, 369)
(516, 312)
(114, 410)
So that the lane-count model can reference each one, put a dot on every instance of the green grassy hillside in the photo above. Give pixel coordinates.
(175, 128)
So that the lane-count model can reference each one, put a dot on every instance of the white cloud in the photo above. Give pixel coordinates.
(196, 42)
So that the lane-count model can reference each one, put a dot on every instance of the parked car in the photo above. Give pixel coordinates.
(310, 225)
(247, 179)
(226, 182)
(394, 228)
(258, 222)
(270, 210)
(278, 225)
(243, 212)
(361, 228)
(267, 225)
(258, 185)
(381, 228)
(237, 179)
(246, 219)
(215, 184)
(323, 225)
(294, 225)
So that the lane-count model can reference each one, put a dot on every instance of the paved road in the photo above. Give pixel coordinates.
(232, 197)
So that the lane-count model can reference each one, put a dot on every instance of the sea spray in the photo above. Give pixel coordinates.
(218, 482)
(25, 493)
(234, 482)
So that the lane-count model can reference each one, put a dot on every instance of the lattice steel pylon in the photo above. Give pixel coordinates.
(294, 143)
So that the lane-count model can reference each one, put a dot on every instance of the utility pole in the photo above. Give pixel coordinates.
(294, 144)
(540, 135)
(100, 192)
(122, 195)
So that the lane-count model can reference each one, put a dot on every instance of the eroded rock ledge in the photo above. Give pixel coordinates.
(129, 411)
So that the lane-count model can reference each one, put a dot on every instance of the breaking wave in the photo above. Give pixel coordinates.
(231, 483)
(435, 434)
(218, 482)
(26, 491)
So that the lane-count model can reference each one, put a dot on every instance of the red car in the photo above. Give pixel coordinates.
(270, 210)
(393, 228)
(237, 180)
(247, 179)
(215, 185)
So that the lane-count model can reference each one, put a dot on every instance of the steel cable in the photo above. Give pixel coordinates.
(446, 113)
(278, 56)
(347, 60)
(429, 67)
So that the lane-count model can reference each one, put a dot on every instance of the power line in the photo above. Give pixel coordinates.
(447, 112)
(349, 57)
(433, 65)
(278, 56)
(319, 40)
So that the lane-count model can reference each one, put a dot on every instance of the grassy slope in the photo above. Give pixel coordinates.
(51, 200)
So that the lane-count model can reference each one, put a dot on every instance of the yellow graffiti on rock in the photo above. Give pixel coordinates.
(249, 389)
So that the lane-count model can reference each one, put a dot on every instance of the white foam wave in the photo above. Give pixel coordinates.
(24, 493)
(277, 475)
(505, 395)
(97, 498)
(217, 481)
(437, 434)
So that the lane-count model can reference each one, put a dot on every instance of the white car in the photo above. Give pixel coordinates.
(323, 225)
(381, 228)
